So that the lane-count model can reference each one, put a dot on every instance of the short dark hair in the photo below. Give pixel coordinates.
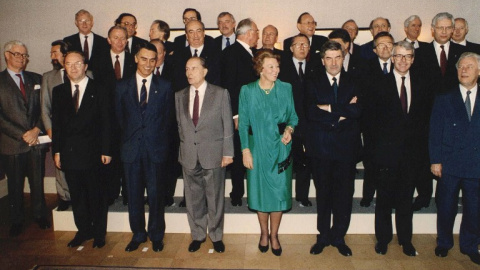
(120, 17)
(382, 34)
(341, 34)
(63, 46)
(199, 17)
(164, 27)
(330, 46)
(259, 59)
(299, 35)
(148, 46)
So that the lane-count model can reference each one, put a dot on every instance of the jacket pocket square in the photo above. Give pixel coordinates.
(36, 87)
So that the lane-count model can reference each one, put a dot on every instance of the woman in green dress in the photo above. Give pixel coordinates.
(266, 122)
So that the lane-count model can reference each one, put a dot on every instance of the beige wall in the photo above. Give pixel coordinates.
(39, 22)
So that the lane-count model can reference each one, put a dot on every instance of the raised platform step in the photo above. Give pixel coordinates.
(299, 220)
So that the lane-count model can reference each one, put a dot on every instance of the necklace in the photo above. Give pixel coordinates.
(267, 91)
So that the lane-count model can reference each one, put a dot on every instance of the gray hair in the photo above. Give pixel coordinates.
(464, 21)
(442, 16)
(83, 12)
(244, 26)
(468, 54)
(225, 13)
(404, 44)
(8, 46)
(410, 19)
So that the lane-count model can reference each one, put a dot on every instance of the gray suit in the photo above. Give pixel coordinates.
(202, 148)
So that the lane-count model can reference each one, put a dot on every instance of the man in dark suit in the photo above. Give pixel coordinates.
(454, 158)
(306, 25)
(295, 70)
(353, 64)
(129, 22)
(269, 39)
(400, 127)
(413, 27)
(81, 143)
(332, 143)
(189, 14)
(143, 105)
(161, 30)
(195, 31)
(20, 126)
(460, 31)
(352, 29)
(377, 25)
(237, 70)
(205, 125)
(94, 47)
(226, 25)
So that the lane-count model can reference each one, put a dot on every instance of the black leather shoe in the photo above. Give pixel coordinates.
(474, 257)
(236, 202)
(263, 249)
(278, 251)
(77, 241)
(441, 252)
(344, 250)
(305, 203)
(409, 250)
(133, 245)
(98, 243)
(317, 248)
(381, 248)
(420, 203)
(182, 203)
(365, 202)
(62, 205)
(169, 202)
(195, 245)
(157, 246)
(219, 246)
(43, 223)
(15, 230)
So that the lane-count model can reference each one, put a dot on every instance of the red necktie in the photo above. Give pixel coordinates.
(403, 96)
(118, 72)
(443, 61)
(85, 49)
(195, 108)
(22, 88)
(158, 71)
(75, 97)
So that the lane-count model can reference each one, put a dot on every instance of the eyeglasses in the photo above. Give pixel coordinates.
(84, 21)
(78, 64)
(382, 46)
(380, 26)
(127, 24)
(185, 20)
(19, 55)
(444, 28)
(301, 45)
(399, 57)
(310, 23)
(466, 67)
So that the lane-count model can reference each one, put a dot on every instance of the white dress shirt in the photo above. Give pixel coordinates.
(89, 41)
(121, 60)
(389, 64)
(408, 87)
(246, 46)
(296, 61)
(199, 50)
(438, 50)
(140, 84)
(201, 95)
(415, 44)
(81, 89)
(231, 39)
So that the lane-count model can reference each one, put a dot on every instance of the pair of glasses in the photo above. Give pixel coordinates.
(127, 24)
(301, 45)
(185, 20)
(76, 64)
(382, 46)
(399, 57)
(19, 55)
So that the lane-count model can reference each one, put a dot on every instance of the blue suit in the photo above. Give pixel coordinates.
(144, 152)
(454, 143)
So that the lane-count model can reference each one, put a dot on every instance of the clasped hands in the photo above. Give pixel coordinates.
(328, 108)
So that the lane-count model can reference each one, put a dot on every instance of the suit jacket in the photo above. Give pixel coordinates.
(135, 42)
(98, 52)
(180, 41)
(398, 136)
(167, 72)
(108, 75)
(366, 51)
(327, 137)
(147, 134)
(317, 43)
(453, 140)
(236, 70)
(212, 138)
(212, 59)
(357, 67)
(472, 47)
(16, 117)
(81, 137)
(356, 49)
(427, 63)
(217, 42)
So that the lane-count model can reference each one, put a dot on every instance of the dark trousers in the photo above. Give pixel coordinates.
(424, 184)
(368, 189)
(113, 173)
(394, 191)
(237, 170)
(448, 188)
(142, 174)
(89, 202)
(302, 169)
(31, 165)
(334, 184)
(173, 170)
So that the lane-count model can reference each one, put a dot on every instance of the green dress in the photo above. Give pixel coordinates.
(267, 189)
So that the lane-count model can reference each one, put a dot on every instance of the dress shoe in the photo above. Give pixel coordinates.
(98, 243)
(236, 202)
(317, 248)
(305, 203)
(263, 249)
(420, 203)
(218, 246)
(474, 257)
(365, 202)
(63, 205)
(182, 203)
(195, 245)
(169, 202)
(15, 230)
(344, 250)
(77, 241)
(157, 246)
(409, 250)
(43, 223)
(278, 251)
(381, 248)
(441, 252)
(133, 245)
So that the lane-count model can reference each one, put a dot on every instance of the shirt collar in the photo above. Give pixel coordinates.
(246, 46)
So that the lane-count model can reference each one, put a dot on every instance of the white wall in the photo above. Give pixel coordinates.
(38, 23)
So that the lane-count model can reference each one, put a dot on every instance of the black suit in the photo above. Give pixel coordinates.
(400, 154)
(472, 47)
(135, 42)
(237, 70)
(333, 146)
(356, 49)
(82, 138)
(366, 51)
(98, 51)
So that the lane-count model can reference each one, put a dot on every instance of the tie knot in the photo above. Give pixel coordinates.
(403, 78)
(334, 80)
(77, 87)
(196, 92)
(442, 46)
(19, 75)
(144, 81)
(413, 42)
(469, 92)
(300, 63)
(116, 56)
(86, 37)
(228, 39)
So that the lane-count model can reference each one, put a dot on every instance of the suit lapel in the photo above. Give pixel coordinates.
(87, 99)
(186, 102)
(458, 105)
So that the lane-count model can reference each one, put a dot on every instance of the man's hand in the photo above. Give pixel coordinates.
(106, 159)
(49, 133)
(436, 169)
(31, 136)
(247, 159)
(324, 107)
(235, 122)
(226, 161)
(56, 158)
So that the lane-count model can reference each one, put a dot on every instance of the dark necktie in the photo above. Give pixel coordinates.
(143, 97)
(385, 70)
(468, 105)
(118, 72)
(403, 96)
(75, 97)
(335, 88)
(127, 49)
(157, 72)
(195, 54)
(443, 60)
(22, 88)
(195, 108)
(300, 71)
(228, 42)
(413, 43)
(86, 51)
